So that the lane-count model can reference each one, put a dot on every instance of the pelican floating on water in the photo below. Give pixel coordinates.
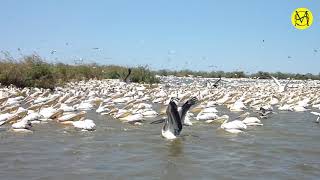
(317, 114)
(252, 121)
(235, 126)
(86, 124)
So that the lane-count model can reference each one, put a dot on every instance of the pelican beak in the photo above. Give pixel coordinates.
(195, 110)
(125, 115)
(66, 122)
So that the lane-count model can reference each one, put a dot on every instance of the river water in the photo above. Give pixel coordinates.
(286, 147)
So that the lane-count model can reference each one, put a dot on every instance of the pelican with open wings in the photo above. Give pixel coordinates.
(174, 122)
(281, 88)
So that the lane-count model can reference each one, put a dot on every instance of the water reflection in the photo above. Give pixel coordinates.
(175, 148)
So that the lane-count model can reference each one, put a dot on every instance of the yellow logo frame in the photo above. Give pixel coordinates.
(301, 18)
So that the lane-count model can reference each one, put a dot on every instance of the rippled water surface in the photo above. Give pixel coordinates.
(286, 147)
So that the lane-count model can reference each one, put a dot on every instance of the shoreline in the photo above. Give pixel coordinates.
(33, 71)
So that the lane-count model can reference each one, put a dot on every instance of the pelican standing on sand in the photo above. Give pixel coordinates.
(174, 121)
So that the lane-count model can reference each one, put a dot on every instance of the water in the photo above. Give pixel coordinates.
(286, 147)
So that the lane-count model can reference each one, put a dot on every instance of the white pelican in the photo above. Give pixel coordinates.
(84, 106)
(274, 101)
(5, 117)
(22, 126)
(149, 113)
(32, 117)
(235, 126)
(285, 107)
(219, 119)
(281, 88)
(206, 116)
(102, 109)
(87, 124)
(237, 106)
(67, 108)
(132, 118)
(50, 113)
(252, 121)
(71, 117)
(298, 108)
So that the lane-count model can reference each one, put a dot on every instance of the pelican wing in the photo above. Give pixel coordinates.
(285, 86)
(315, 113)
(216, 83)
(185, 108)
(174, 121)
(276, 81)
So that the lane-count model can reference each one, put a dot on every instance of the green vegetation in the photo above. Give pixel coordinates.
(33, 71)
(238, 74)
(212, 74)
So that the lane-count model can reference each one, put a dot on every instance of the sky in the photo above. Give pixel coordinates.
(207, 35)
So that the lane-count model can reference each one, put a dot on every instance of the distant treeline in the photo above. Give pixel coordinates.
(33, 71)
(238, 74)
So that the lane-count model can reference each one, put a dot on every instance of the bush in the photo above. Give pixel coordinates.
(143, 74)
(32, 71)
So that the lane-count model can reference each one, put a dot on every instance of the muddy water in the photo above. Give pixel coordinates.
(286, 147)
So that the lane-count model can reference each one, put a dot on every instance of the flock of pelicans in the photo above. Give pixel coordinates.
(182, 101)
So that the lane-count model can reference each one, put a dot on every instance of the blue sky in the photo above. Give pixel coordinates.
(165, 34)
